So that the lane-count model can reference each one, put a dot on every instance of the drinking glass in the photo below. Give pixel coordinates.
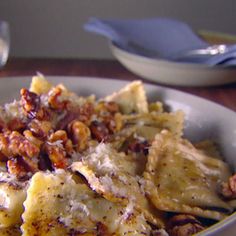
(4, 42)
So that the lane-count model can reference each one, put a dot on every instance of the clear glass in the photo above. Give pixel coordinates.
(4, 42)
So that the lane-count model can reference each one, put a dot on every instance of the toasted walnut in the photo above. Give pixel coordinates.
(114, 123)
(16, 167)
(61, 136)
(54, 100)
(31, 164)
(29, 136)
(19, 145)
(5, 152)
(3, 124)
(228, 189)
(85, 113)
(40, 129)
(80, 134)
(82, 113)
(32, 106)
(22, 167)
(56, 154)
(58, 147)
(14, 144)
(16, 124)
(110, 107)
(99, 131)
(3, 158)
(58, 135)
(30, 102)
(70, 116)
(183, 225)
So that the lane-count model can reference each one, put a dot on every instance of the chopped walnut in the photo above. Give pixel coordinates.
(32, 106)
(54, 100)
(30, 102)
(103, 107)
(29, 136)
(16, 167)
(14, 144)
(80, 135)
(69, 117)
(110, 123)
(61, 135)
(16, 124)
(3, 124)
(19, 145)
(4, 145)
(82, 113)
(40, 129)
(57, 148)
(99, 131)
(57, 155)
(85, 113)
(3, 158)
(183, 225)
(22, 167)
(228, 189)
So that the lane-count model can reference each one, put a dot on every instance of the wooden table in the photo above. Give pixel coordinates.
(225, 95)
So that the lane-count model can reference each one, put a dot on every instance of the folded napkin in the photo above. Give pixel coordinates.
(161, 38)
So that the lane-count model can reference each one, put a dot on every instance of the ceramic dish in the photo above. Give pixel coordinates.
(173, 73)
(204, 119)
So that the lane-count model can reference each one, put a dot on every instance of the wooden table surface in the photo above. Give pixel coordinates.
(225, 95)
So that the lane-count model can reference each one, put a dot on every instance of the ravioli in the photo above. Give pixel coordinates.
(113, 175)
(57, 205)
(10, 231)
(131, 98)
(12, 196)
(148, 125)
(180, 178)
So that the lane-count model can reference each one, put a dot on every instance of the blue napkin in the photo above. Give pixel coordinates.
(161, 38)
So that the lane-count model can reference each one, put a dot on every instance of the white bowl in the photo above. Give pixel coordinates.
(204, 119)
(173, 73)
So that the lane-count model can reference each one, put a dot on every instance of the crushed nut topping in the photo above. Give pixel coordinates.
(32, 106)
(14, 144)
(40, 129)
(80, 134)
(54, 100)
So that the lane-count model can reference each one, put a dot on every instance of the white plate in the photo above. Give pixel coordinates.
(204, 119)
(172, 73)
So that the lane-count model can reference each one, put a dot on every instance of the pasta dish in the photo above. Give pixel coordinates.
(113, 166)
